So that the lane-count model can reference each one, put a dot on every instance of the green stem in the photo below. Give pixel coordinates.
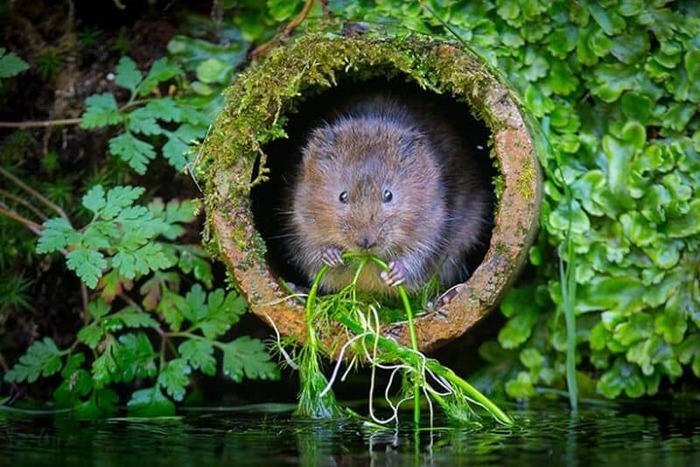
(470, 390)
(411, 326)
(410, 357)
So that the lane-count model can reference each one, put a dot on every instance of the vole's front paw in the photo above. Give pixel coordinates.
(396, 274)
(331, 256)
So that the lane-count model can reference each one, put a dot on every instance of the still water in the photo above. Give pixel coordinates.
(644, 434)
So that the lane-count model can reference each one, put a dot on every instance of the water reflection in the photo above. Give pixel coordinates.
(646, 435)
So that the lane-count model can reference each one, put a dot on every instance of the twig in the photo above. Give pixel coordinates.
(34, 193)
(41, 124)
(24, 203)
(34, 227)
(286, 32)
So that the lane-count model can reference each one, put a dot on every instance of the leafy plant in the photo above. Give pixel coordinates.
(11, 64)
(419, 374)
(144, 118)
(613, 87)
(146, 328)
(122, 244)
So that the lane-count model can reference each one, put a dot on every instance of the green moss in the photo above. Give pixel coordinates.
(525, 185)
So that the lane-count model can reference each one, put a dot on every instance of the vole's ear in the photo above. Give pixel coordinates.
(411, 143)
(320, 143)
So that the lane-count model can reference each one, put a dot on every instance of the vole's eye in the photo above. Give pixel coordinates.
(387, 196)
(344, 197)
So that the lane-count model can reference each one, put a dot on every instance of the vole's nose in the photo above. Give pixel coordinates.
(366, 241)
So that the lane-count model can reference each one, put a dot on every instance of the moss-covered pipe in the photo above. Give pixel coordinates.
(267, 94)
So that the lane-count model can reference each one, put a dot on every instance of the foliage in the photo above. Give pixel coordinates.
(614, 88)
(142, 120)
(115, 344)
(145, 332)
(360, 321)
(10, 64)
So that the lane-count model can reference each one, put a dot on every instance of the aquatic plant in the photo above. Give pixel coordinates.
(419, 374)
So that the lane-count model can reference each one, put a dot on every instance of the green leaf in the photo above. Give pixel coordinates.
(56, 233)
(619, 153)
(283, 10)
(517, 330)
(637, 229)
(612, 79)
(560, 79)
(166, 109)
(622, 294)
(691, 61)
(569, 217)
(509, 11)
(134, 318)
(196, 304)
(91, 335)
(689, 353)
(179, 141)
(172, 214)
(143, 121)
(213, 70)
(172, 308)
(536, 66)
(120, 198)
(98, 309)
(127, 75)
(623, 376)
(133, 151)
(174, 378)
(678, 115)
(199, 355)
(94, 199)
(77, 383)
(149, 257)
(150, 402)
(636, 106)
(671, 325)
(11, 64)
(640, 326)
(194, 259)
(631, 48)
(522, 387)
(562, 41)
(43, 358)
(87, 264)
(599, 336)
(608, 20)
(248, 357)
(134, 358)
(161, 70)
(100, 110)
(222, 312)
(104, 366)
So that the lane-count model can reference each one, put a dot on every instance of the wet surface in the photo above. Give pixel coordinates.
(646, 434)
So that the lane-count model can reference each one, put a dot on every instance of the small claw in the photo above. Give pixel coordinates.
(331, 256)
(396, 274)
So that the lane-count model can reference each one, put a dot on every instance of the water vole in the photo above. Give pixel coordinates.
(392, 178)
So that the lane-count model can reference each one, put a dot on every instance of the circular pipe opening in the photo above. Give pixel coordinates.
(271, 199)
(287, 91)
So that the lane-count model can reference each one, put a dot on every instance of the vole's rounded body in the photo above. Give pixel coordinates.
(392, 179)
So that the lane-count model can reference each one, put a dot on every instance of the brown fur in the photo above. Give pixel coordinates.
(439, 203)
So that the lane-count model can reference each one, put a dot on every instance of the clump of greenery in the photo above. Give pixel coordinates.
(151, 316)
(125, 242)
(419, 375)
(614, 87)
